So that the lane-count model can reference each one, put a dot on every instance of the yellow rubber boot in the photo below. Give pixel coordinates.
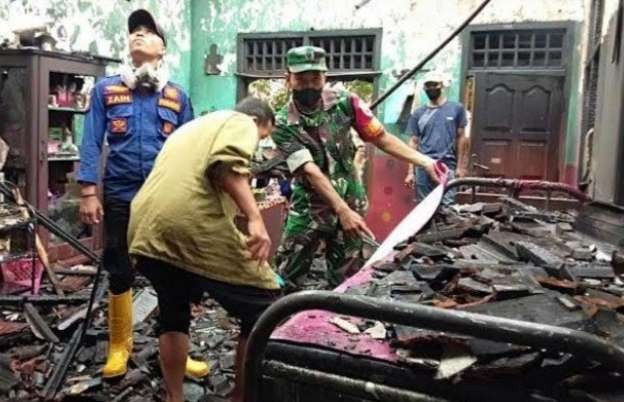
(196, 368)
(119, 334)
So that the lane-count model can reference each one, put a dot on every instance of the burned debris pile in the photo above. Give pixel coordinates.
(505, 259)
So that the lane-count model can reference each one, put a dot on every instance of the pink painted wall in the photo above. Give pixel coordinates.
(389, 199)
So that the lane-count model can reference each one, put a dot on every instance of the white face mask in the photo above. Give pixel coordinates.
(147, 75)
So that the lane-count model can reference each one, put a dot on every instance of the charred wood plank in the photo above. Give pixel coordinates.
(533, 229)
(518, 205)
(592, 270)
(540, 309)
(537, 255)
(38, 325)
(417, 249)
(617, 262)
(504, 242)
(60, 370)
(43, 300)
(446, 234)
(76, 272)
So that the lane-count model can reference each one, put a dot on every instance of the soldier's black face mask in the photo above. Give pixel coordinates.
(308, 97)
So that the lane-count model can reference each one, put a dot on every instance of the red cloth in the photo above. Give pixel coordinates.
(20, 272)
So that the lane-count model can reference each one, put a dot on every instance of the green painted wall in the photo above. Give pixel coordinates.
(411, 29)
(101, 26)
(573, 124)
(211, 93)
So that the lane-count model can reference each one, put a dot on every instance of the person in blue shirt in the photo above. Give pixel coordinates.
(438, 131)
(133, 113)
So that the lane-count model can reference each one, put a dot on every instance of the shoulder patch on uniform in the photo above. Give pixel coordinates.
(168, 128)
(119, 125)
(117, 99)
(372, 129)
(171, 93)
(170, 104)
(116, 89)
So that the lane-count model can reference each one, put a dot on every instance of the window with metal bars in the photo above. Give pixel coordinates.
(526, 49)
(351, 52)
(267, 54)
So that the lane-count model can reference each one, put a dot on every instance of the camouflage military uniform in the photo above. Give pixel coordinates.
(325, 139)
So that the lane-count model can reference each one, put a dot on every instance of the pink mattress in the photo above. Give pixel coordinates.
(314, 328)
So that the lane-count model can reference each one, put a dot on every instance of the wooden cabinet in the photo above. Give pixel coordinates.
(43, 99)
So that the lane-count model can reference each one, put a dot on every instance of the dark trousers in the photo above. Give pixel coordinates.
(116, 259)
(177, 289)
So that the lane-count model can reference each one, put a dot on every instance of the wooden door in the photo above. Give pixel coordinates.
(517, 124)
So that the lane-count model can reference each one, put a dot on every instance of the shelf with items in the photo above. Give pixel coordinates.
(69, 92)
(68, 100)
(12, 217)
(9, 257)
(43, 106)
(19, 262)
(61, 145)
(10, 227)
(63, 158)
(64, 200)
(67, 109)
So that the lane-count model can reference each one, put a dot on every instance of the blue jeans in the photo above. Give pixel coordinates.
(424, 185)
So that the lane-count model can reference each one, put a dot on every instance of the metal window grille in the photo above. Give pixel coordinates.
(352, 53)
(347, 51)
(526, 49)
(267, 54)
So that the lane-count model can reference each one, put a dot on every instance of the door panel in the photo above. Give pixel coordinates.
(499, 103)
(532, 157)
(535, 111)
(493, 153)
(516, 124)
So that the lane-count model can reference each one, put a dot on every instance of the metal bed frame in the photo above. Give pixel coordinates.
(432, 318)
(516, 186)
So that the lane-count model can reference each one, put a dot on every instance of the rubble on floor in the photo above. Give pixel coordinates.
(39, 329)
(30, 348)
(504, 259)
(509, 260)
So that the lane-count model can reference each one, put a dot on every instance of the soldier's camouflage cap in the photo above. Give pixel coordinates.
(306, 58)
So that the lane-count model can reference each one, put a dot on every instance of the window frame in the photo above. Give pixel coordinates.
(568, 26)
(244, 78)
(500, 50)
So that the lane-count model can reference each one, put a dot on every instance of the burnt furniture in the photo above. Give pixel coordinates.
(527, 299)
(43, 100)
